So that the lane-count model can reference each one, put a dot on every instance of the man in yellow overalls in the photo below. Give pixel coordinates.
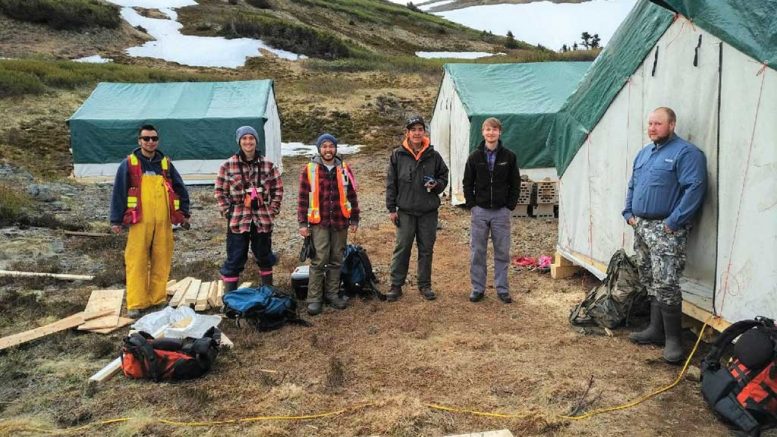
(149, 196)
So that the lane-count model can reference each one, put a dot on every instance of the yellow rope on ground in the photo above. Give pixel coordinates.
(364, 405)
(206, 423)
(591, 413)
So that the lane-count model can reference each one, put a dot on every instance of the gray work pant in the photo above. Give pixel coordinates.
(497, 222)
(422, 228)
(325, 266)
(660, 259)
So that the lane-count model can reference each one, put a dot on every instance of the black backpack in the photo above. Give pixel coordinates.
(743, 392)
(356, 275)
(616, 299)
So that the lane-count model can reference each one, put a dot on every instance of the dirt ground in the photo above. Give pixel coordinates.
(381, 364)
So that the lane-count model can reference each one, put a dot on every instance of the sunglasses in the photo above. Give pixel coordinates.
(147, 139)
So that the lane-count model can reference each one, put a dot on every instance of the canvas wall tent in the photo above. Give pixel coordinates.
(525, 97)
(196, 122)
(714, 63)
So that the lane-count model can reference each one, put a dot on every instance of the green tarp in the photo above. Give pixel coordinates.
(196, 120)
(525, 97)
(748, 26)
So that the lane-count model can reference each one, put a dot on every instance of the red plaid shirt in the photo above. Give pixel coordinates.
(231, 190)
(329, 199)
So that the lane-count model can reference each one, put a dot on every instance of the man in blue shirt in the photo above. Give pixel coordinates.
(665, 192)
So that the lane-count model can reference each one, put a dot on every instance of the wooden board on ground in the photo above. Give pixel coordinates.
(212, 292)
(46, 275)
(180, 290)
(60, 325)
(87, 234)
(123, 321)
(170, 284)
(226, 342)
(245, 285)
(190, 297)
(183, 284)
(201, 304)
(219, 294)
(103, 300)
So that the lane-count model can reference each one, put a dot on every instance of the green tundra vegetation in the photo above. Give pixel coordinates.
(63, 14)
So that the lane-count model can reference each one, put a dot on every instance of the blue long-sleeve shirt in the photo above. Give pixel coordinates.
(154, 165)
(668, 182)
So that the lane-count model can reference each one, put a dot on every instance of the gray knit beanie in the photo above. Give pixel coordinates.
(245, 130)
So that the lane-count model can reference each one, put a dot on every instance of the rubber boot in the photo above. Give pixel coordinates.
(230, 286)
(394, 293)
(673, 346)
(654, 333)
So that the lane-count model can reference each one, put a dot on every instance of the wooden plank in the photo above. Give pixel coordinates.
(716, 322)
(219, 294)
(46, 275)
(201, 304)
(562, 267)
(114, 366)
(245, 285)
(212, 299)
(182, 284)
(123, 321)
(180, 291)
(190, 297)
(226, 342)
(101, 300)
(42, 331)
(87, 234)
(171, 287)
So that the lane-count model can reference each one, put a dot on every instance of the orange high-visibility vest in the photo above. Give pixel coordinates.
(133, 213)
(314, 208)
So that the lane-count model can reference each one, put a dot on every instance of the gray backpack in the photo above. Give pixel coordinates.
(618, 297)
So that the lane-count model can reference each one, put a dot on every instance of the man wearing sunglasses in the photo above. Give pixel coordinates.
(149, 197)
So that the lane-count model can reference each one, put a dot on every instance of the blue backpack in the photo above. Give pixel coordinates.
(265, 308)
(356, 275)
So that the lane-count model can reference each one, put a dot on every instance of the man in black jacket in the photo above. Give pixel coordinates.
(491, 188)
(415, 178)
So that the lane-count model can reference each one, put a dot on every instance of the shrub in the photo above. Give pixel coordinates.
(13, 202)
(17, 83)
(261, 4)
(63, 14)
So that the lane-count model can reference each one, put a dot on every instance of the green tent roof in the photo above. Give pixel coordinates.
(196, 120)
(750, 27)
(525, 97)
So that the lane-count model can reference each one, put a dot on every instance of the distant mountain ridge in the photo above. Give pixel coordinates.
(444, 5)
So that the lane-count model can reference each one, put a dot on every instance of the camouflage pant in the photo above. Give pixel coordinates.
(660, 259)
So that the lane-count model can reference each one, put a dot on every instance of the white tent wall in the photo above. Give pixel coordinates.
(453, 124)
(593, 188)
(747, 239)
(272, 132)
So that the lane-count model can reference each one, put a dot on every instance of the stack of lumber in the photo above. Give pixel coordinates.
(42, 331)
(102, 301)
(197, 294)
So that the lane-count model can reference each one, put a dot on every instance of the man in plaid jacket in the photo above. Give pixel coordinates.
(249, 191)
(326, 209)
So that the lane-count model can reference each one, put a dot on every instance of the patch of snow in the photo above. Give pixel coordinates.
(300, 149)
(456, 55)
(198, 51)
(94, 59)
(546, 23)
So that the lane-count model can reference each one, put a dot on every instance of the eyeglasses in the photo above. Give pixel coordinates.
(148, 139)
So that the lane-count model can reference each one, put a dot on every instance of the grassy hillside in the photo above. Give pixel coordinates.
(63, 14)
(333, 29)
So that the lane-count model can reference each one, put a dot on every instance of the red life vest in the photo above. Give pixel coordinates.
(134, 211)
(314, 207)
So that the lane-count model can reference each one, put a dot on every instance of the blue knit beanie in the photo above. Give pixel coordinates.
(245, 130)
(325, 137)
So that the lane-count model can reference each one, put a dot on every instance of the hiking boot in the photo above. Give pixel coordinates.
(335, 301)
(133, 314)
(673, 345)
(476, 296)
(654, 333)
(394, 293)
(428, 294)
(314, 308)
(505, 297)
